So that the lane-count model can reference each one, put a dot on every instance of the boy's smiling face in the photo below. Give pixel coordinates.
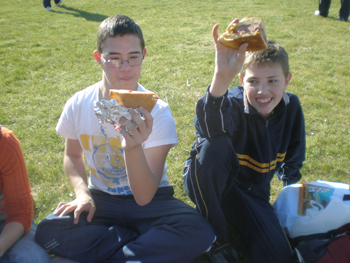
(264, 86)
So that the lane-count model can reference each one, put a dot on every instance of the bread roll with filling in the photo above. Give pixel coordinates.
(249, 30)
(134, 99)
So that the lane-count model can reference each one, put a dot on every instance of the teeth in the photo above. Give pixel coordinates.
(264, 100)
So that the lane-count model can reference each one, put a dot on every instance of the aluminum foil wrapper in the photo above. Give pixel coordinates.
(109, 111)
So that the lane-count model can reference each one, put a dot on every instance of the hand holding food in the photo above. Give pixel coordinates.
(248, 30)
(112, 111)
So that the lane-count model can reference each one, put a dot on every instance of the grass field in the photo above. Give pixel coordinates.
(45, 57)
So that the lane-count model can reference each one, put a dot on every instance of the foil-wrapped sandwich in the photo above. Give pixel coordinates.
(111, 111)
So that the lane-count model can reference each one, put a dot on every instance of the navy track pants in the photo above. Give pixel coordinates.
(210, 178)
(165, 230)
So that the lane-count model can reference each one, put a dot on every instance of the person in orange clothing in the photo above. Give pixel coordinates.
(17, 228)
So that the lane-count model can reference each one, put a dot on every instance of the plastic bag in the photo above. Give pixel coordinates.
(335, 215)
(302, 203)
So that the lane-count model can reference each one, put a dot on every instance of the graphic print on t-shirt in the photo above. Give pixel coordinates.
(107, 155)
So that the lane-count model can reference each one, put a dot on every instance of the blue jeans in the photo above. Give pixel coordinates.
(25, 250)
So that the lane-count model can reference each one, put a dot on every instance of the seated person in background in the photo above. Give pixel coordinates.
(17, 229)
(245, 136)
(126, 211)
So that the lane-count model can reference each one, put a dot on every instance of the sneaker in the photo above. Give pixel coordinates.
(341, 19)
(59, 3)
(48, 8)
(223, 252)
(317, 13)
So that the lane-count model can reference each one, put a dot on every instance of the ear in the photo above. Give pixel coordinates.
(287, 80)
(240, 78)
(144, 52)
(97, 56)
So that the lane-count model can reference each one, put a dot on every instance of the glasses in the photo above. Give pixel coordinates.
(117, 62)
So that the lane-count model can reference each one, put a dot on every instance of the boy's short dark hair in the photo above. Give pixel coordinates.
(274, 54)
(117, 25)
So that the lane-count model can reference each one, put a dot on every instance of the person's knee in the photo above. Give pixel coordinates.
(218, 148)
(209, 237)
(213, 152)
(212, 162)
(201, 234)
(52, 226)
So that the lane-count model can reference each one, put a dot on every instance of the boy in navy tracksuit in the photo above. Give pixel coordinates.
(245, 136)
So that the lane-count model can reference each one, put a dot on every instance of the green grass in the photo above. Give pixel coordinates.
(46, 57)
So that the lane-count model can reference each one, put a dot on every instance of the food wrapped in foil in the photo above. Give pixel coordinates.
(109, 111)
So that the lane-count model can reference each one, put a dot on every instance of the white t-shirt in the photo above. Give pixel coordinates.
(102, 143)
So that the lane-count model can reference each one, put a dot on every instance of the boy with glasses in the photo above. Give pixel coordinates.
(125, 211)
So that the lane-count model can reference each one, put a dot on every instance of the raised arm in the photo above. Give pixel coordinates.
(228, 63)
(144, 167)
(74, 167)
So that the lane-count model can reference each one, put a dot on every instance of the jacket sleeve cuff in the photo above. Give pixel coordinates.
(214, 102)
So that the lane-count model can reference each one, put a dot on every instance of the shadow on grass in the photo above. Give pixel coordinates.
(337, 18)
(80, 13)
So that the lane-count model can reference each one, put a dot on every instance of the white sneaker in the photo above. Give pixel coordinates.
(59, 3)
(317, 13)
(48, 8)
